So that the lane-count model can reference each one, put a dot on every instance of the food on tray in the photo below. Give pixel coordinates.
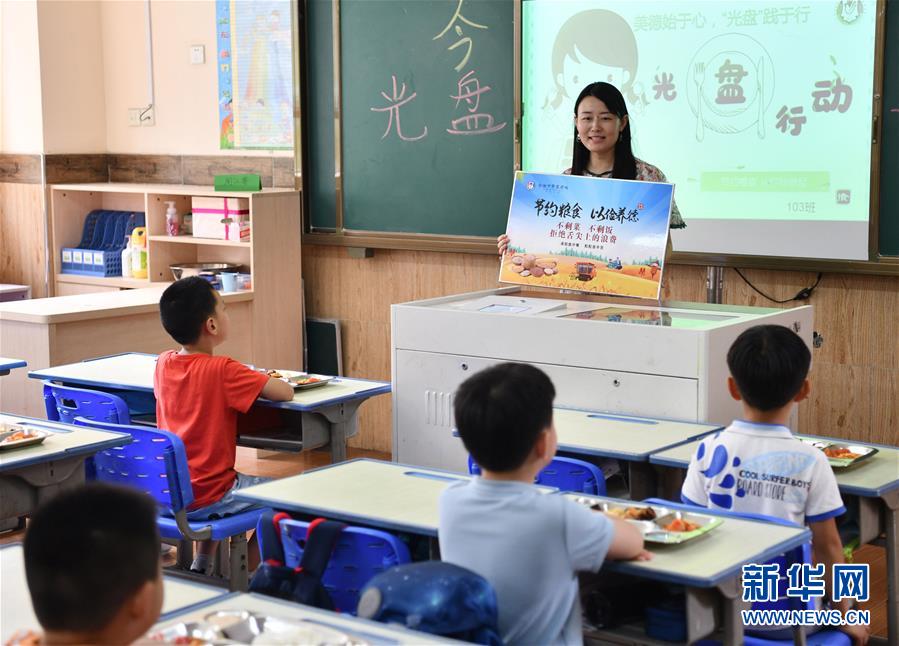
(840, 452)
(189, 641)
(274, 374)
(641, 513)
(302, 381)
(633, 513)
(18, 436)
(681, 525)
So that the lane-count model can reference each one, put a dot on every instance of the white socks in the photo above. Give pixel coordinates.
(201, 563)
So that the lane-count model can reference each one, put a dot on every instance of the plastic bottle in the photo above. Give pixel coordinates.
(126, 258)
(172, 226)
(139, 252)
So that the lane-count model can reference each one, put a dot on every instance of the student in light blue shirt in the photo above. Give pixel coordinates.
(527, 544)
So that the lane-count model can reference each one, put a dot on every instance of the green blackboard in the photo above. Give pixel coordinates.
(318, 177)
(426, 115)
(889, 158)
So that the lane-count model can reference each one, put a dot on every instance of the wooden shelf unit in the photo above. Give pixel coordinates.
(272, 255)
(199, 241)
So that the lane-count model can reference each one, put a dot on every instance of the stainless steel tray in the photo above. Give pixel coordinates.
(232, 627)
(292, 377)
(654, 528)
(8, 430)
(859, 451)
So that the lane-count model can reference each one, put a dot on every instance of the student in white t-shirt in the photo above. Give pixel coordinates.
(756, 465)
(529, 545)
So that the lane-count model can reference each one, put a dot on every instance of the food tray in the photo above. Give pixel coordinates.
(654, 518)
(8, 430)
(242, 627)
(295, 378)
(860, 452)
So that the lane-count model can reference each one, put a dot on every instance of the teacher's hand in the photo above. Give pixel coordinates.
(502, 243)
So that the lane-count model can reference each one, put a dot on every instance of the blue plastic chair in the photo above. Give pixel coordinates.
(436, 598)
(64, 404)
(566, 474)
(801, 554)
(155, 462)
(359, 555)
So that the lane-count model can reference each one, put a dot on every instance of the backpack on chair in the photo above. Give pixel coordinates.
(302, 584)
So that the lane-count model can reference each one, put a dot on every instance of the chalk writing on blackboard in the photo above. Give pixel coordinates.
(470, 90)
(396, 100)
(463, 40)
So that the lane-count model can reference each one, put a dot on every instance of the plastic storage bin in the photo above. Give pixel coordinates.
(244, 282)
(221, 218)
(100, 251)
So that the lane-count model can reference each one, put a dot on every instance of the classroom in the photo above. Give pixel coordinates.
(321, 324)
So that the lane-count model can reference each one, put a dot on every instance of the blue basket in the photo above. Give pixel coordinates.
(102, 240)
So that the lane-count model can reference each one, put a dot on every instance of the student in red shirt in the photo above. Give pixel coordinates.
(199, 397)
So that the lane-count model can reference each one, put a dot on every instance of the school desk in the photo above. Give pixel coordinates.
(625, 437)
(16, 612)
(874, 482)
(710, 567)
(586, 433)
(31, 474)
(405, 498)
(329, 413)
(367, 631)
(7, 364)
(369, 492)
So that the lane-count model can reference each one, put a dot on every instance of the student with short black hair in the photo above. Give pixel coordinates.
(756, 465)
(92, 564)
(501, 526)
(185, 306)
(199, 397)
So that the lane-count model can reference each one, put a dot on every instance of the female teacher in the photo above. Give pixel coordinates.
(602, 145)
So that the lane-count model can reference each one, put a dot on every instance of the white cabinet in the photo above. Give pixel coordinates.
(663, 361)
(423, 400)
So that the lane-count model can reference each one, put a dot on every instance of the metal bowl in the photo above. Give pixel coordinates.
(203, 268)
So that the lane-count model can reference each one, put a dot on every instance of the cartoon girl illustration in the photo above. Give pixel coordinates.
(593, 45)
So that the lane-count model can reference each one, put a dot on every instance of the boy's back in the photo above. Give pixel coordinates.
(529, 546)
(763, 469)
(198, 398)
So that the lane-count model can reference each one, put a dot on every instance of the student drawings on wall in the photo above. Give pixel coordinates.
(593, 45)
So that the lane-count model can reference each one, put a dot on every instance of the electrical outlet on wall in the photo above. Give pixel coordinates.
(134, 117)
(197, 54)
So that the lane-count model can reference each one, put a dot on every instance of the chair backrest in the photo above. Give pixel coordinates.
(434, 597)
(569, 474)
(565, 474)
(154, 462)
(64, 404)
(360, 554)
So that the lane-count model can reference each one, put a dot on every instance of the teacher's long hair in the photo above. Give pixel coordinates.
(625, 166)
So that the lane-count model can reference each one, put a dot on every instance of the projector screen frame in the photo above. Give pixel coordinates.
(875, 264)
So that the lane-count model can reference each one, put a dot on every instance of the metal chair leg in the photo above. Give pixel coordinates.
(238, 580)
(185, 554)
